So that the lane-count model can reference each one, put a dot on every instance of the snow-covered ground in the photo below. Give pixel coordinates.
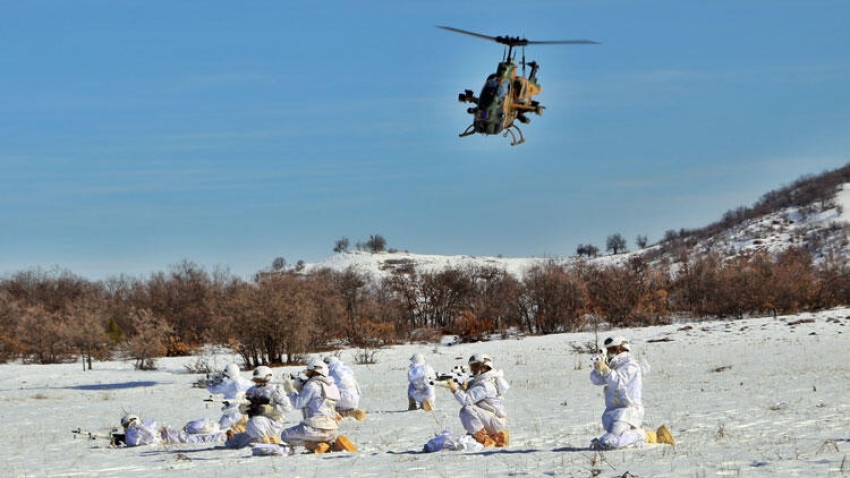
(756, 397)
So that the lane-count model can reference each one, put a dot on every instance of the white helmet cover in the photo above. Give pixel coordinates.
(331, 360)
(417, 359)
(129, 419)
(318, 366)
(262, 373)
(480, 359)
(231, 372)
(617, 340)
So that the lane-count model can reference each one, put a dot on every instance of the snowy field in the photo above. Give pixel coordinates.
(758, 397)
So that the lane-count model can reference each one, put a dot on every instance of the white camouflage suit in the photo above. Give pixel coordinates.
(198, 431)
(349, 391)
(142, 433)
(482, 403)
(232, 387)
(317, 401)
(270, 423)
(419, 388)
(623, 416)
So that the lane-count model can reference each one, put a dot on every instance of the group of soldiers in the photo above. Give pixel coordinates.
(253, 412)
(327, 392)
(484, 416)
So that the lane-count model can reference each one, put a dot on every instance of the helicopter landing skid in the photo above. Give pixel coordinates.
(509, 130)
(469, 131)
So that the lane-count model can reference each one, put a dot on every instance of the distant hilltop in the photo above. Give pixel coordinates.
(813, 213)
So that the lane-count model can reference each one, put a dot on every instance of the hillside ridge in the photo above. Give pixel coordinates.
(820, 224)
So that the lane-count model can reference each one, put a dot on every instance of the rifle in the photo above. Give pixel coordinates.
(227, 401)
(212, 378)
(115, 438)
(459, 374)
(249, 406)
(598, 353)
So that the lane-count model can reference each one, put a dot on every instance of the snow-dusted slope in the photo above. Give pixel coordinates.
(822, 228)
(377, 265)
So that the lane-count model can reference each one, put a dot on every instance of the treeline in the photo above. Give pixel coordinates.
(279, 316)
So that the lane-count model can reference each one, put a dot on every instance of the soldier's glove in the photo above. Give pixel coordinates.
(244, 407)
(267, 410)
(601, 367)
(289, 386)
(452, 385)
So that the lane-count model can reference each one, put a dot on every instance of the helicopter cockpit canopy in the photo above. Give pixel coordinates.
(490, 113)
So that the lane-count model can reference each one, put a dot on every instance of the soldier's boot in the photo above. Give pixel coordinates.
(664, 436)
(342, 443)
(502, 438)
(411, 404)
(357, 414)
(427, 405)
(483, 438)
(240, 426)
(317, 447)
(651, 436)
(270, 440)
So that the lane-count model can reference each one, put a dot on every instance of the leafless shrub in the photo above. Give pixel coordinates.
(585, 348)
(720, 433)
(829, 445)
(150, 341)
(366, 357)
(426, 335)
(201, 364)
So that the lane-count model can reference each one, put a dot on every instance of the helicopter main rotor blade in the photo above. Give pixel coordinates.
(517, 41)
(458, 30)
(564, 42)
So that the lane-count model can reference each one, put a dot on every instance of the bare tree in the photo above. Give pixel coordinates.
(43, 336)
(341, 245)
(553, 300)
(9, 315)
(184, 298)
(615, 243)
(88, 333)
(150, 341)
(588, 250)
(376, 243)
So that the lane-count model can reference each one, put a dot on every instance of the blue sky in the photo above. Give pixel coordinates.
(134, 135)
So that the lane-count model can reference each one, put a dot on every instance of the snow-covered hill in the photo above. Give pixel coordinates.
(824, 228)
(377, 265)
(820, 227)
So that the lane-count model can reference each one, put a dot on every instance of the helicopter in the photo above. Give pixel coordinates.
(506, 96)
